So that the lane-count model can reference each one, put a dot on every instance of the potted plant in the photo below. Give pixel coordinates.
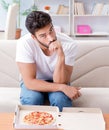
(32, 8)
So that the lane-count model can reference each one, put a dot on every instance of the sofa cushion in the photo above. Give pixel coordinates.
(9, 74)
(91, 67)
(94, 97)
(9, 98)
(91, 97)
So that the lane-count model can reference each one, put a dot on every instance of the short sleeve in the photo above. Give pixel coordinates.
(24, 52)
(70, 54)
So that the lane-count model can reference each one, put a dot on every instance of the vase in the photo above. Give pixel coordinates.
(18, 33)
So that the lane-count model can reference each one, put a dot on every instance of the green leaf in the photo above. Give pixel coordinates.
(4, 5)
(32, 8)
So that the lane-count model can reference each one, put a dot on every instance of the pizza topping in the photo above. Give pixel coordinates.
(39, 118)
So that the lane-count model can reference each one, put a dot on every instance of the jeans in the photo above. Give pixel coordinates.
(30, 97)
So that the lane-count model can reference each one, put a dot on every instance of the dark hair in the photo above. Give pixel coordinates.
(37, 20)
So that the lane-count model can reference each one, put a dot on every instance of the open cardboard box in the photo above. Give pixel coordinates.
(70, 119)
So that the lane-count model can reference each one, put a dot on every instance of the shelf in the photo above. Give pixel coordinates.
(59, 12)
(93, 34)
(68, 21)
(59, 15)
(90, 38)
(91, 15)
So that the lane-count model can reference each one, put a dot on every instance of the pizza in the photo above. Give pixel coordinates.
(38, 118)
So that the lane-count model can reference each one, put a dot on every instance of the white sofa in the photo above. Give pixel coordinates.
(91, 72)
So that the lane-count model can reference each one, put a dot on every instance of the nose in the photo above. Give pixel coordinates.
(50, 38)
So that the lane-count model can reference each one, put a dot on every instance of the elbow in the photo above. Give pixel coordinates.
(29, 84)
(61, 81)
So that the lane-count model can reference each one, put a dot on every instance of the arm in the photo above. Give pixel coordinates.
(28, 72)
(62, 72)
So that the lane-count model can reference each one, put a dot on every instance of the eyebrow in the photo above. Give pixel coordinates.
(49, 30)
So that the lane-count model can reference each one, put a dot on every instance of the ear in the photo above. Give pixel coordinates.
(33, 36)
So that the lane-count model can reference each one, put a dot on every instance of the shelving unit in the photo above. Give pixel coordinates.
(59, 20)
(68, 23)
(98, 23)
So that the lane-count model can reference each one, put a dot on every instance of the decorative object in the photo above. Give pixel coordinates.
(5, 5)
(84, 29)
(18, 33)
(47, 8)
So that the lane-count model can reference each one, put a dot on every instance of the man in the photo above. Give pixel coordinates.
(45, 60)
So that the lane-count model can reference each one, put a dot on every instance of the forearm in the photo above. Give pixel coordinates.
(41, 85)
(61, 74)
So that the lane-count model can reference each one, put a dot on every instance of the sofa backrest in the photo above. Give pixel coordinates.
(9, 75)
(91, 67)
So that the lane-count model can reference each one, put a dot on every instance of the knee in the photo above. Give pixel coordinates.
(60, 99)
(32, 99)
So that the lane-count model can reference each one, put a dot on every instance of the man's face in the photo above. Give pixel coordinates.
(46, 35)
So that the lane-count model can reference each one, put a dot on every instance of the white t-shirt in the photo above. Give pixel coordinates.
(28, 51)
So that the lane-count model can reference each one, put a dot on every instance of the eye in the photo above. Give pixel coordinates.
(43, 36)
(52, 29)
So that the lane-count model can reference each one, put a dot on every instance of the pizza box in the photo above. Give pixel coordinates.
(22, 110)
(82, 119)
(70, 118)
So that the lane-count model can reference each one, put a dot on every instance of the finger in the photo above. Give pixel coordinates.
(77, 95)
(78, 88)
(55, 47)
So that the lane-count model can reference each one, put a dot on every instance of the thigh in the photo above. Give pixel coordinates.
(60, 96)
(30, 97)
(59, 99)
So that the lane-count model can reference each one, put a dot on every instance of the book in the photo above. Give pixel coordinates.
(75, 8)
(79, 8)
(105, 10)
(97, 10)
(62, 9)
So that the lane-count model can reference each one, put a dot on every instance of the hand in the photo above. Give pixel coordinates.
(71, 92)
(56, 47)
